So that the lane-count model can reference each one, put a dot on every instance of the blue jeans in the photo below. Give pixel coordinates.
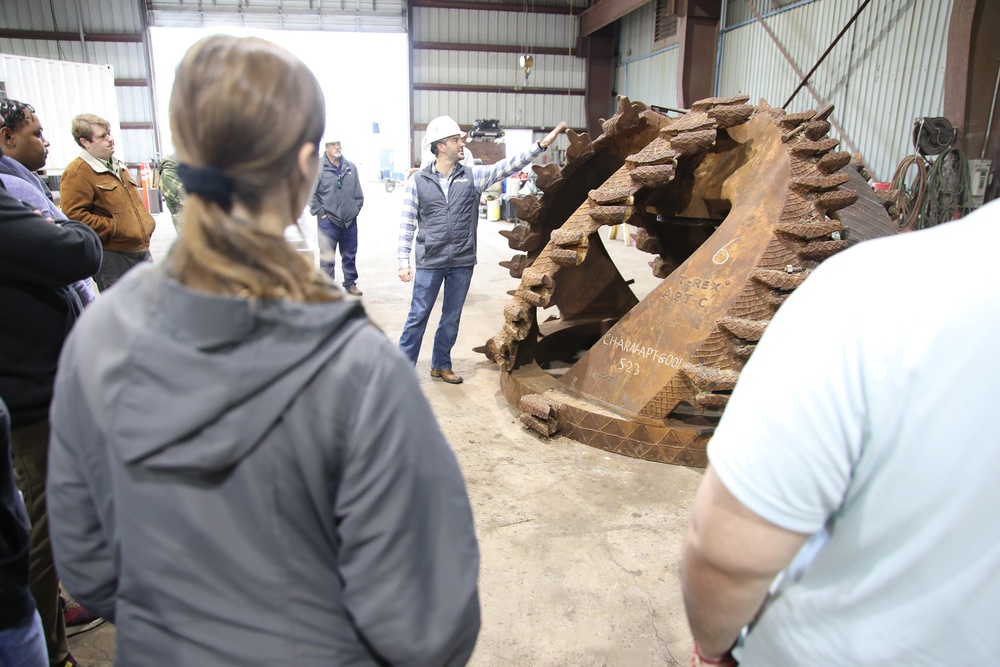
(347, 239)
(24, 645)
(426, 285)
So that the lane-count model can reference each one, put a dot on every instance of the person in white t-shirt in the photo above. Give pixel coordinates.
(866, 419)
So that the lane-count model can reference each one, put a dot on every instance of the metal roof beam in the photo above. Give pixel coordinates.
(493, 48)
(494, 7)
(604, 12)
(454, 88)
(133, 38)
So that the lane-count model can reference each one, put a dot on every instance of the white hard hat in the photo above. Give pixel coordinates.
(331, 139)
(440, 128)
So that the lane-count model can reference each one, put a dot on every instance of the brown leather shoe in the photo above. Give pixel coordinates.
(354, 291)
(447, 375)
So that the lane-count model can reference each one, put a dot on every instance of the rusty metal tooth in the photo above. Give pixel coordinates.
(628, 114)
(548, 177)
(835, 200)
(810, 230)
(610, 194)
(568, 256)
(775, 298)
(535, 279)
(779, 280)
(515, 265)
(488, 349)
(657, 152)
(806, 147)
(832, 162)
(580, 146)
(522, 237)
(731, 115)
(693, 143)
(817, 251)
(572, 237)
(817, 129)
(516, 331)
(653, 175)
(710, 378)
(711, 102)
(744, 328)
(609, 215)
(662, 267)
(825, 112)
(795, 119)
(538, 406)
(819, 182)
(536, 299)
(645, 242)
(526, 208)
(709, 401)
(517, 310)
(543, 428)
(692, 122)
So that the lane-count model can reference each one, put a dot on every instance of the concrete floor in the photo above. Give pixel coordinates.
(580, 548)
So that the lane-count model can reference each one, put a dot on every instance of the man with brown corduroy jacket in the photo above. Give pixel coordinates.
(98, 190)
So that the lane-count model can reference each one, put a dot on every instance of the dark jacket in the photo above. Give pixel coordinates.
(341, 204)
(447, 233)
(108, 201)
(256, 483)
(39, 261)
(16, 603)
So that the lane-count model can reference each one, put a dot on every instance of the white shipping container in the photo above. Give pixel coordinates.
(59, 90)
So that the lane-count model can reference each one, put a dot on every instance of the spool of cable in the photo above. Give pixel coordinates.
(933, 135)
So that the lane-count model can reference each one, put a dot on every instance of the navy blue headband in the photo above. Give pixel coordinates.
(209, 183)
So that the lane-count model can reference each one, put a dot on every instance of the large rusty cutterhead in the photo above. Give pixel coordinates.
(736, 204)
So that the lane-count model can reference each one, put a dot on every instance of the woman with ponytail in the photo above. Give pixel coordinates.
(243, 471)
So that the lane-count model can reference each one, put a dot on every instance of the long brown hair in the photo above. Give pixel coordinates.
(245, 106)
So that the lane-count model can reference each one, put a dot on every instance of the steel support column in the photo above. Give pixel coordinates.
(598, 49)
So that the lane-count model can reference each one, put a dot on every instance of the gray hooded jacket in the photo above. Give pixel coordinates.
(256, 484)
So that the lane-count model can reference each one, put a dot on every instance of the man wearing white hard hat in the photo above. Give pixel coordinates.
(441, 212)
(336, 203)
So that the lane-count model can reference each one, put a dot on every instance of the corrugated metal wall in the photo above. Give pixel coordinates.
(467, 26)
(121, 45)
(642, 73)
(885, 72)
(442, 76)
(59, 90)
(496, 69)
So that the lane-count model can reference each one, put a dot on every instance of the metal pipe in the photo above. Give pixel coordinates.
(825, 54)
(989, 123)
(79, 23)
(796, 69)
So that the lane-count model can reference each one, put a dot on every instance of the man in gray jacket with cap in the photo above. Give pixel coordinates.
(336, 203)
